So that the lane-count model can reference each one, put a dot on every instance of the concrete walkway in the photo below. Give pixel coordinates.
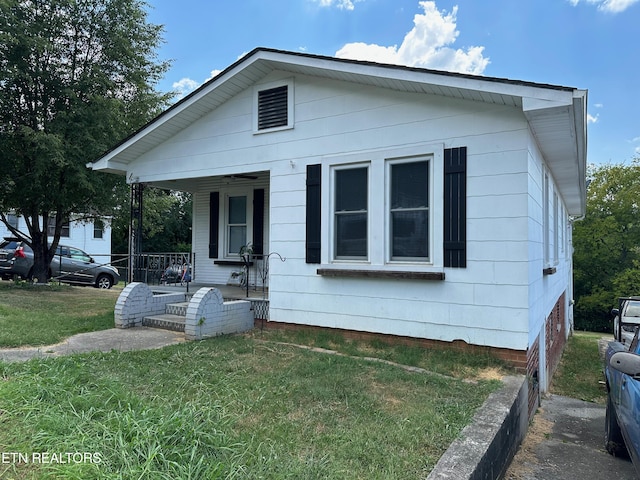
(566, 441)
(122, 340)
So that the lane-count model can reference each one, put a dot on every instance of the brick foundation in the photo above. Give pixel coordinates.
(515, 358)
(533, 376)
(556, 334)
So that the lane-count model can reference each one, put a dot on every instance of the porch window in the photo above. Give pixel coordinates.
(409, 210)
(237, 224)
(350, 212)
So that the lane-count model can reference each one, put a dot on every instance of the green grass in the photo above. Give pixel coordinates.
(251, 406)
(45, 315)
(581, 370)
(235, 407)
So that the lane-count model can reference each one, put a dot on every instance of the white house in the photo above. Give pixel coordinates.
(94, 237)
(409, 202)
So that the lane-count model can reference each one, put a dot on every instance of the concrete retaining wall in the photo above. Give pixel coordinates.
(486, 446)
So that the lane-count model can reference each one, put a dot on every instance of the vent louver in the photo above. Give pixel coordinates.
(273, 108)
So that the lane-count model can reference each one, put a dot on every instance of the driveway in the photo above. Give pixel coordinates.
(565, 441)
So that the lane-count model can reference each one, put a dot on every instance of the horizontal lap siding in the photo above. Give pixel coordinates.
(484, 303)
(334, 118)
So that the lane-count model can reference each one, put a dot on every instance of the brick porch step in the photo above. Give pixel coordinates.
(177, 308)
(166, 321)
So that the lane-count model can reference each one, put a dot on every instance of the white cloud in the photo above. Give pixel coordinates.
(341, 4)
(610, 6)
(214, 73)
(427, 45)
(184, 86)
(592, 118)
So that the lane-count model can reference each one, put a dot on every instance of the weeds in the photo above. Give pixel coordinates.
(229, 408)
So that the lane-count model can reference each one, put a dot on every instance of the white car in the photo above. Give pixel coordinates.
(626, 320)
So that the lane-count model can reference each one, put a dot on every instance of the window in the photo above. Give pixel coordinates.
(556, 229)
(236, 224)
(13, 220)
(545, 219)
(350, 212)
(98, 229)
(273, 106)
(409, 210)
(236, 219)
(78, 254)
(51, 228)
(387, 210)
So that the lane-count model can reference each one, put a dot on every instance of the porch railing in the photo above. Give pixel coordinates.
(156, 268)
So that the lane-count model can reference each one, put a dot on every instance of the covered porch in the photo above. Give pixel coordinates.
(230, 235)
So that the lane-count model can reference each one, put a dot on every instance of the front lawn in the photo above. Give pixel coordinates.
(260, 405)
(229, 407)
(45, 315)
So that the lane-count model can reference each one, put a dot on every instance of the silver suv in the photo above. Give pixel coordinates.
(69, 265)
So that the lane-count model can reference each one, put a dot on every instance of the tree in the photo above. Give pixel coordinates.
(166, 223)
(606, 244)
(76, 76)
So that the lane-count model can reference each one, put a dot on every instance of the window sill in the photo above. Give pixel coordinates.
(394, 274)
(231, 263)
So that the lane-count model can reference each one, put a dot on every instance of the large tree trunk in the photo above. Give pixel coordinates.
(41, 257)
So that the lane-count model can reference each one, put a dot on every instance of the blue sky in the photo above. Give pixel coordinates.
(587, 44)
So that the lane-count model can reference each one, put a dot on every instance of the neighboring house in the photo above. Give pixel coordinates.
(408, 202)
(93, 236)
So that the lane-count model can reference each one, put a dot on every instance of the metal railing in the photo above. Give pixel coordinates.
(156, 268)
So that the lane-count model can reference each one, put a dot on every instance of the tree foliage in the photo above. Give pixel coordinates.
(166, 223)
(76, 76)
(606, 244)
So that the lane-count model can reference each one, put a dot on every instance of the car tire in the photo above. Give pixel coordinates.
(104, 281)
(613, 440)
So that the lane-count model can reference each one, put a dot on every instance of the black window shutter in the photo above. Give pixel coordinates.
(214, 223)
(258, 221)
(314, 218)
(455, 207)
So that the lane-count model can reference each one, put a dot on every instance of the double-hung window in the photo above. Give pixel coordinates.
(236, 224)
(351, 212)
(380, 209)
(409, 210)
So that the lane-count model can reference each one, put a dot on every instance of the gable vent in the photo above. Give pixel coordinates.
(273, 108)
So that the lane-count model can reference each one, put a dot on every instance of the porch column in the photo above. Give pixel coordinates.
(135, 234)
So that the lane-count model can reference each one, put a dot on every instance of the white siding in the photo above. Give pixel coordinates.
(80, 236)
(499, 300)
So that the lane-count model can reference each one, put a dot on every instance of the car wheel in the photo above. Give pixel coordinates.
(104, 281)
(613, 441)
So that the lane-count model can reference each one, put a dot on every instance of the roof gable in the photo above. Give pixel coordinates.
(556, 114)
